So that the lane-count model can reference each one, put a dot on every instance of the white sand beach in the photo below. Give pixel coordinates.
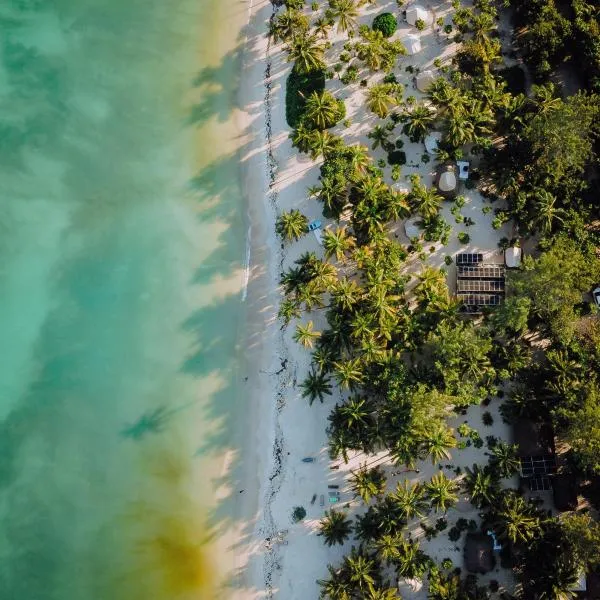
(272, 556)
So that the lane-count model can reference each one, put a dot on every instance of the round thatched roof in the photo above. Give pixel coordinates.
(424, 80)
(416, 12)
(447, 182)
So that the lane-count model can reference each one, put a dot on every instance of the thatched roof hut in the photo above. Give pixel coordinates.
(479, 553)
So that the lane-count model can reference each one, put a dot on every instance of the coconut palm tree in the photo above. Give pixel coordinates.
(321, 109)
(301, 137)
(386, 547)
(345, 12)
(386, 593)
(322, 26)
(335, 528)
(349, 373)
(505, 460)
(381, 98)
(305, 335)
(441, 492)
(363, 571)
(346, 294)
(306, 52)
(377, 52)
(516, 519)
(410, 499)
(337, 242)
(420, 119)
(412, 562)
(425, 201)
(546, 213)
(288, 310)
(322, 143)
(482, 485)
(445, 587)
(359, 159)
(291, 225)
(316, 385)
(436, 441)
(288, 24)
(379, 135)
(337, 587)
(431, 285)
(355, 411)
(368, 483)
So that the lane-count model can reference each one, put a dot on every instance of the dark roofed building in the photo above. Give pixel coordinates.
(564, 491)
(479, 553)
(534, 438)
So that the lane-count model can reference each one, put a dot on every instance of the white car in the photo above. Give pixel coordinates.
(596, 296)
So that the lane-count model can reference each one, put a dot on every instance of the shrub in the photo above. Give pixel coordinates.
(350, 76)
(298, 513)
(300, 86)
(437, 63)
(314, 6)
(441, 524)
(386, 23)
(390, 78)
(397, 157)
(462, 524)
(399, 143)
(448, 28)
(420, 24)
(454, 534)
(439, 21)
(447, 564)
(448, 259)
(381, 163)
(425, 158)
(463, 237)
(487, 418)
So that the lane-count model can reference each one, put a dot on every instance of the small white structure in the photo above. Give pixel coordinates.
(447, 182)
(463, 169)
(412, 43)
(412, 229)
(410, 588)
(424, 80)
(432, 141)
(512, 257)
(416, 13)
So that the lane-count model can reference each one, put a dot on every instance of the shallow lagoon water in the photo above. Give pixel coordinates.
(121, 250)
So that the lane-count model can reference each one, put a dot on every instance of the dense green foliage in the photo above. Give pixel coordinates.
(386, 23)
(299, 87)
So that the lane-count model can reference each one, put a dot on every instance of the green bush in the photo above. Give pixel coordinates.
(420, 24)
(454, 534)
(298, 87)
(463, 237)
(397, 157)
(487, 418)
(386, 23)
(298, 513)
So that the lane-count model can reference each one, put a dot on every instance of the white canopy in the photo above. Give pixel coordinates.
(410, 588)
(424, 80)
(412, 43)
(432, 140)
(447, 181)
(512, 257)
(416, 12)
(412, 229)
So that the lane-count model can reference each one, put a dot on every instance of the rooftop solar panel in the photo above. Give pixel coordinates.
(468, 258)
(538, 465)
(539, 483)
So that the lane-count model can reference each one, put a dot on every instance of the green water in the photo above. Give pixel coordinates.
(118, 339)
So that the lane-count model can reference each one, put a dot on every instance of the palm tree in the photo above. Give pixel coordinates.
(349, 373)
(288, 310)
(337, 587)
(305, 335)
(386, 547)
(505, 460)
(346, 294)
(359, 159)
(516, 519)
(379, 135)
(291, 225)
(321, 109)
(289, 24)
(482, 485)
(396, 206)
(362, 571)
(322, 143)
(381, 98)
(316, 385)
(322, 26)
(441, 492)
(355, 411)
(431, 285)
(377, 52)
(387, 593)
(306, 52)
(445, 587)
(420, 119)
(410, 499)
(425, 201)
(337, 242)
(301, 137)
(335, 528)
(437, 441)
(546, 211)
(345, 12)
(368, 483)
(412, 562)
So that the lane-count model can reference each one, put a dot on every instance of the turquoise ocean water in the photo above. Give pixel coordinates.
(121, 244)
